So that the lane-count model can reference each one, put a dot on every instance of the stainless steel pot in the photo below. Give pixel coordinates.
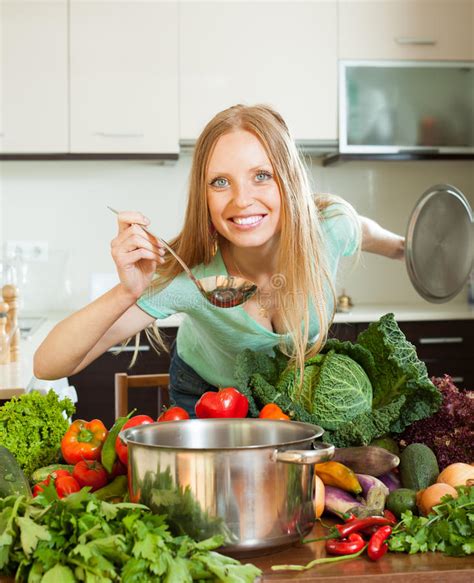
(250, 480)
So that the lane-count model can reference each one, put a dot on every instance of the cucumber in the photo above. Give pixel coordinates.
(42, 473)
(12, 479)
(418, 467)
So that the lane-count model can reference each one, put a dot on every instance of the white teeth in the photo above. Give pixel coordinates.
(247, 220)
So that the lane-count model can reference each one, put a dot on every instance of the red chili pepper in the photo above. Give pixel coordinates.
(377, 545)
(358, 525)
(390, 516)
(348, 546)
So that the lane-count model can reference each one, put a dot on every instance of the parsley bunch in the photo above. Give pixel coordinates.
(449, 529)
(81, 538)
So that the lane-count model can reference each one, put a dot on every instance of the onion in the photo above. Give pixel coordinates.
(318, 496)
(456, 474)
(432, 495)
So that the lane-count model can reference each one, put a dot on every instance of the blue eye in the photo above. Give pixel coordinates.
(266, 175)
(219, 182)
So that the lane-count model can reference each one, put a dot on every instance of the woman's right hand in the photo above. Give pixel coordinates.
(135, 252)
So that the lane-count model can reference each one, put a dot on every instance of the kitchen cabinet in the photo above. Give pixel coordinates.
(446, 347)
(123, 74)
(33, 76)
(406, 29)
(95, 384)
(280, 53)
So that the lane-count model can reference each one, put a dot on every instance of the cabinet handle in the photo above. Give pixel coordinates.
(442, 340)
(458, 379)
(140, 348)
(119, 135)
(412, 40)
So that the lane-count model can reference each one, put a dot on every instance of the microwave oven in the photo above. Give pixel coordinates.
(398, 107)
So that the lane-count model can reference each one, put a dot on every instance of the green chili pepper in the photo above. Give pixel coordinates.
(109, 455)
(117, 488)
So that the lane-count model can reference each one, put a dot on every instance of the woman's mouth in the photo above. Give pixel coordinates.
(246, 223)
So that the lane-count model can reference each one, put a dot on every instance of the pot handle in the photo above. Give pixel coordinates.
(322, 452)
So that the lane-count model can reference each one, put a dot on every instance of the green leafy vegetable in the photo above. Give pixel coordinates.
(356, 392)
(335, 388)
(81, 538)
(449, 529)
(32, 426)
(399, 372)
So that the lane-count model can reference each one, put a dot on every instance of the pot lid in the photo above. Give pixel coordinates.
(439, 243)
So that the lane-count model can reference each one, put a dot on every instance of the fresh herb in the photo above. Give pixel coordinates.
(449, 529)
(81, 538)
(32, 426)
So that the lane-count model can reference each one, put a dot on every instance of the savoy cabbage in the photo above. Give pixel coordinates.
(356, 392)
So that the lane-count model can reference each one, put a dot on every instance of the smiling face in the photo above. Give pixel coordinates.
(243, 196)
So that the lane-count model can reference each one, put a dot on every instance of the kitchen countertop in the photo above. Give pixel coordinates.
(15, 377)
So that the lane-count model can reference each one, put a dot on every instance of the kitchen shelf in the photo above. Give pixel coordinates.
(112, 156)
(331, 159)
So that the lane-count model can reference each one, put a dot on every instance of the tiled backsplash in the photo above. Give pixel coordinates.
(65, 204)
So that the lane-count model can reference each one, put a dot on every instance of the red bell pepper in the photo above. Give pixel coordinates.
(83, 441)
(228, 403)
(120, 447)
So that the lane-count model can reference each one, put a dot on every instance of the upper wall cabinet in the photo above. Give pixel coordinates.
(406, 29)
(280, 53)
(33, 76)
(123, 70)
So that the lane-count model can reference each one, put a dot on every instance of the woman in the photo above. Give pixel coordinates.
(250, 214)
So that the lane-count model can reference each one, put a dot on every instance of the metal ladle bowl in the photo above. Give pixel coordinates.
(223, 291)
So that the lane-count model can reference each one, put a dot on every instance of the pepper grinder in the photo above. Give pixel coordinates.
(4, 343)
(344, 302)
(10, 295)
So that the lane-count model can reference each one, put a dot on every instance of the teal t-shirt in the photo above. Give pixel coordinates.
(210, 338)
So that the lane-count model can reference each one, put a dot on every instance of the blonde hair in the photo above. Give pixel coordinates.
(303, 273)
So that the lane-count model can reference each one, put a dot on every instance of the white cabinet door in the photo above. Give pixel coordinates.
(406, 29)
(124, 85)
(280, 53)
(33, 77)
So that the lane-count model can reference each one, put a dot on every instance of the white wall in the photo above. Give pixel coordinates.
(64, 203)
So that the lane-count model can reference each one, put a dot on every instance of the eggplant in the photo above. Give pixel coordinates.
(375, 492)
(339, 502)
(369, 459)
(391, 481)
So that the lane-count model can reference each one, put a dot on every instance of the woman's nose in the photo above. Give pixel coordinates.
(243, 196)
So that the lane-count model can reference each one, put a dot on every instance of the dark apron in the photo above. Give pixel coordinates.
(186, 386)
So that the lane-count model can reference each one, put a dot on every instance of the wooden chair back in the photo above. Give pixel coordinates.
(124, 382)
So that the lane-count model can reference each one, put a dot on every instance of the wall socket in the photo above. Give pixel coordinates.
(28, 250)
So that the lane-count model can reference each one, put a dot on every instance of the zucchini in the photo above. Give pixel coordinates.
(42, 473)
(418, 467)
(12, 479)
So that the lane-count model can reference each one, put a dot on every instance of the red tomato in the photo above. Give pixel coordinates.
(38, 488)
(66, 485)
(121, 448)
(91, 474)
(173, 414)
(118, 469)
(228, 403)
